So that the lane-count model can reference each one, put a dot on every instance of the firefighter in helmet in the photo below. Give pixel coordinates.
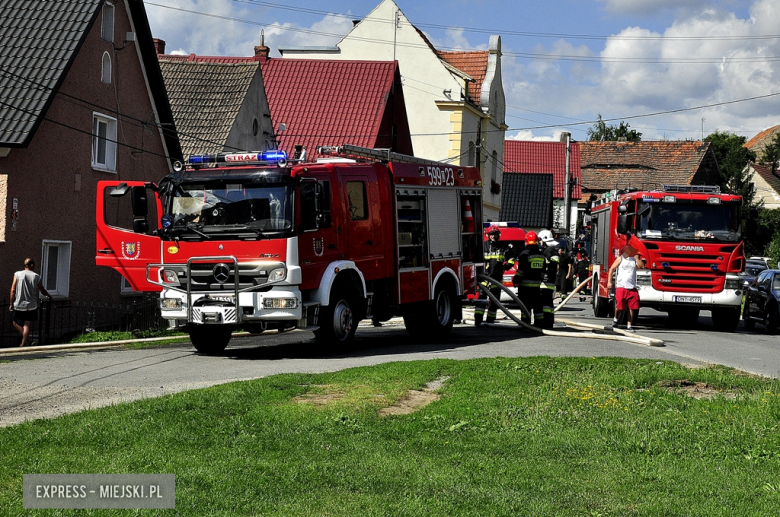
(495, 265)
(531, 266)
(549, 248)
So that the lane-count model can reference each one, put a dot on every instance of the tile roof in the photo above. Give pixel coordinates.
(765, 171)
(608, 165)
(38, 42)
(205, 98)
(750, 144)
(328, 102)
(527, 199)
(472, 63)
(545, 158)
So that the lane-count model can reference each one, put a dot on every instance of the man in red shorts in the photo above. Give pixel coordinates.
(626, 294)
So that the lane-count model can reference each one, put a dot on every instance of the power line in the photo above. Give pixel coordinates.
(524, 55)
(557, 35)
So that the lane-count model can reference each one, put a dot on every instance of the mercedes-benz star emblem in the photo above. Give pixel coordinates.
(221, 273)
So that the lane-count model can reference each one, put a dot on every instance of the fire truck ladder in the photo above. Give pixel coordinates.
(380, 155)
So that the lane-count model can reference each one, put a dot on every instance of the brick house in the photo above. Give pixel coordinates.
(82, 101)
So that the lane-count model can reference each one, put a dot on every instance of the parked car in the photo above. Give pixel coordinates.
(752, 270)
(762, 301)
(767, 261)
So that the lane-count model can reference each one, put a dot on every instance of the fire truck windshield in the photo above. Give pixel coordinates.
(224, 206)
(689, 221)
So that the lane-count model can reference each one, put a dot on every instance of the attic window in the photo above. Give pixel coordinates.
(107, 30)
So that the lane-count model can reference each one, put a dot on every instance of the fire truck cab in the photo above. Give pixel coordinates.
(247, 240)
(691, 239)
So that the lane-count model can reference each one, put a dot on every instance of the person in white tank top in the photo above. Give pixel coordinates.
(626, 293)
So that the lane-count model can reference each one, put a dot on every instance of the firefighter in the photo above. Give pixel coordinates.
(531, 266)
(495, 265)
(550, 250)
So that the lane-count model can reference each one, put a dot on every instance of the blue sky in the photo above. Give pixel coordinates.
(564, 62)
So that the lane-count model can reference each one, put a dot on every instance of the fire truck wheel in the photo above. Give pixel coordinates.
(210, 339)
(337, 321)
(600, 306)
(726, 319)
(434, 319)
(749, 322)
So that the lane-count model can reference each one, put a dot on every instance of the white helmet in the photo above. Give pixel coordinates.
(546, 237)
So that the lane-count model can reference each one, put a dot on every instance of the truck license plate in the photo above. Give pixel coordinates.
(688, 299)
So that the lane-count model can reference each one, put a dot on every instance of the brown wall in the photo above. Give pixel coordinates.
(43, 176)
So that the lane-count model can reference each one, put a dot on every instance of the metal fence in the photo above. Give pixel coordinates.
(61, 321)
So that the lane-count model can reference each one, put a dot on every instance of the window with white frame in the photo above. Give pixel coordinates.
(105, 73)
(55, 267)
(107, 29)
(103, 143)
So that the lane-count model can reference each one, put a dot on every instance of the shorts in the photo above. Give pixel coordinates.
(21, 316)
(626, 299)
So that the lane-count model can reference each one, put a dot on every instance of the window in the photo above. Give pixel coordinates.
(107, 30)
(103, 143)
(356, 193)
(105, 74)
(55, 268)
(494, 165)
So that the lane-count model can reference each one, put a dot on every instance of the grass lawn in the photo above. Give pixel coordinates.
(530, 436)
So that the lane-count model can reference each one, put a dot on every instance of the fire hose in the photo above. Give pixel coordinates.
(609, 334)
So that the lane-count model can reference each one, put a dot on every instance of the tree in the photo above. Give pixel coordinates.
(601, 132)
(771, 154)
(735, 176)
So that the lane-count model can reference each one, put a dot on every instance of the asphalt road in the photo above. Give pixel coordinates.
(48, 384)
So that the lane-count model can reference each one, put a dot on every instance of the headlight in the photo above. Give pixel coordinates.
(171, 276)
(277, 274)
(170, 304)
(644, 279)
(280, 303)
(733, 283)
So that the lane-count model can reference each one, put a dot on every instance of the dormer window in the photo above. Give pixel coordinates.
(107, 30)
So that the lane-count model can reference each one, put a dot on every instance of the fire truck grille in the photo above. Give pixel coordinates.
(701, 283)
(207, 277)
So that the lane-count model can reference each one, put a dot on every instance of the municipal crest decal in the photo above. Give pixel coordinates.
(318, 246)
(131, 250)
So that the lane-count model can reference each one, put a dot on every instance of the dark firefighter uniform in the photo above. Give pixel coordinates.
(531, 267)
(495, 265)
(548, 287)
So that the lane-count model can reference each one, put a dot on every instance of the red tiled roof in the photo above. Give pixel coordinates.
(756, 139)
(327, 102)
(610, 165)
(545, 158)
(473, 63)
(207, 59)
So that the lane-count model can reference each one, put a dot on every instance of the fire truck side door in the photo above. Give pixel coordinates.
(118, 245)
(363, 231)
(319, 244)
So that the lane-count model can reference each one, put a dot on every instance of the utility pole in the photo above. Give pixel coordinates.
(702, 128)
(567, 187)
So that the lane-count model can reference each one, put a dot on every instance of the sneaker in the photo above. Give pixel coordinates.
(630, 329)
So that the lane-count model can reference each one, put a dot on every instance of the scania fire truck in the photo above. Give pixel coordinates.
(691, 239)
(250, 240)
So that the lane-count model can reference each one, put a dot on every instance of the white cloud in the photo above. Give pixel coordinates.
(732, 64)
(649, 6)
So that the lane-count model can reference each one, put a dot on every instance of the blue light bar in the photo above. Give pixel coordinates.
(272, 156)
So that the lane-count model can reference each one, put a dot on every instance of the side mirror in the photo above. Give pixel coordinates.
(622, 224)
(622, 209)
(312, 218)
(141, 226)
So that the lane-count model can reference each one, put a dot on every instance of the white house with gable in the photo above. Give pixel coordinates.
(454, 99)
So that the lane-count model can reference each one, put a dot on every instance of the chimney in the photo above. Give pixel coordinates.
(159, 45)
(261, 51)
(565, 136)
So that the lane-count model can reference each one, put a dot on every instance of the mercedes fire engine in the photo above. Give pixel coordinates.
(691, 239)
(248, 240)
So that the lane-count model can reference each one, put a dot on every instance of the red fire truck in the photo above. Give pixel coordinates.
(691, 238)
(248, 240)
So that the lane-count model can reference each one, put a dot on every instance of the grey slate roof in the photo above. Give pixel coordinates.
(38, 41)
(205, 99)
(527, 199)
